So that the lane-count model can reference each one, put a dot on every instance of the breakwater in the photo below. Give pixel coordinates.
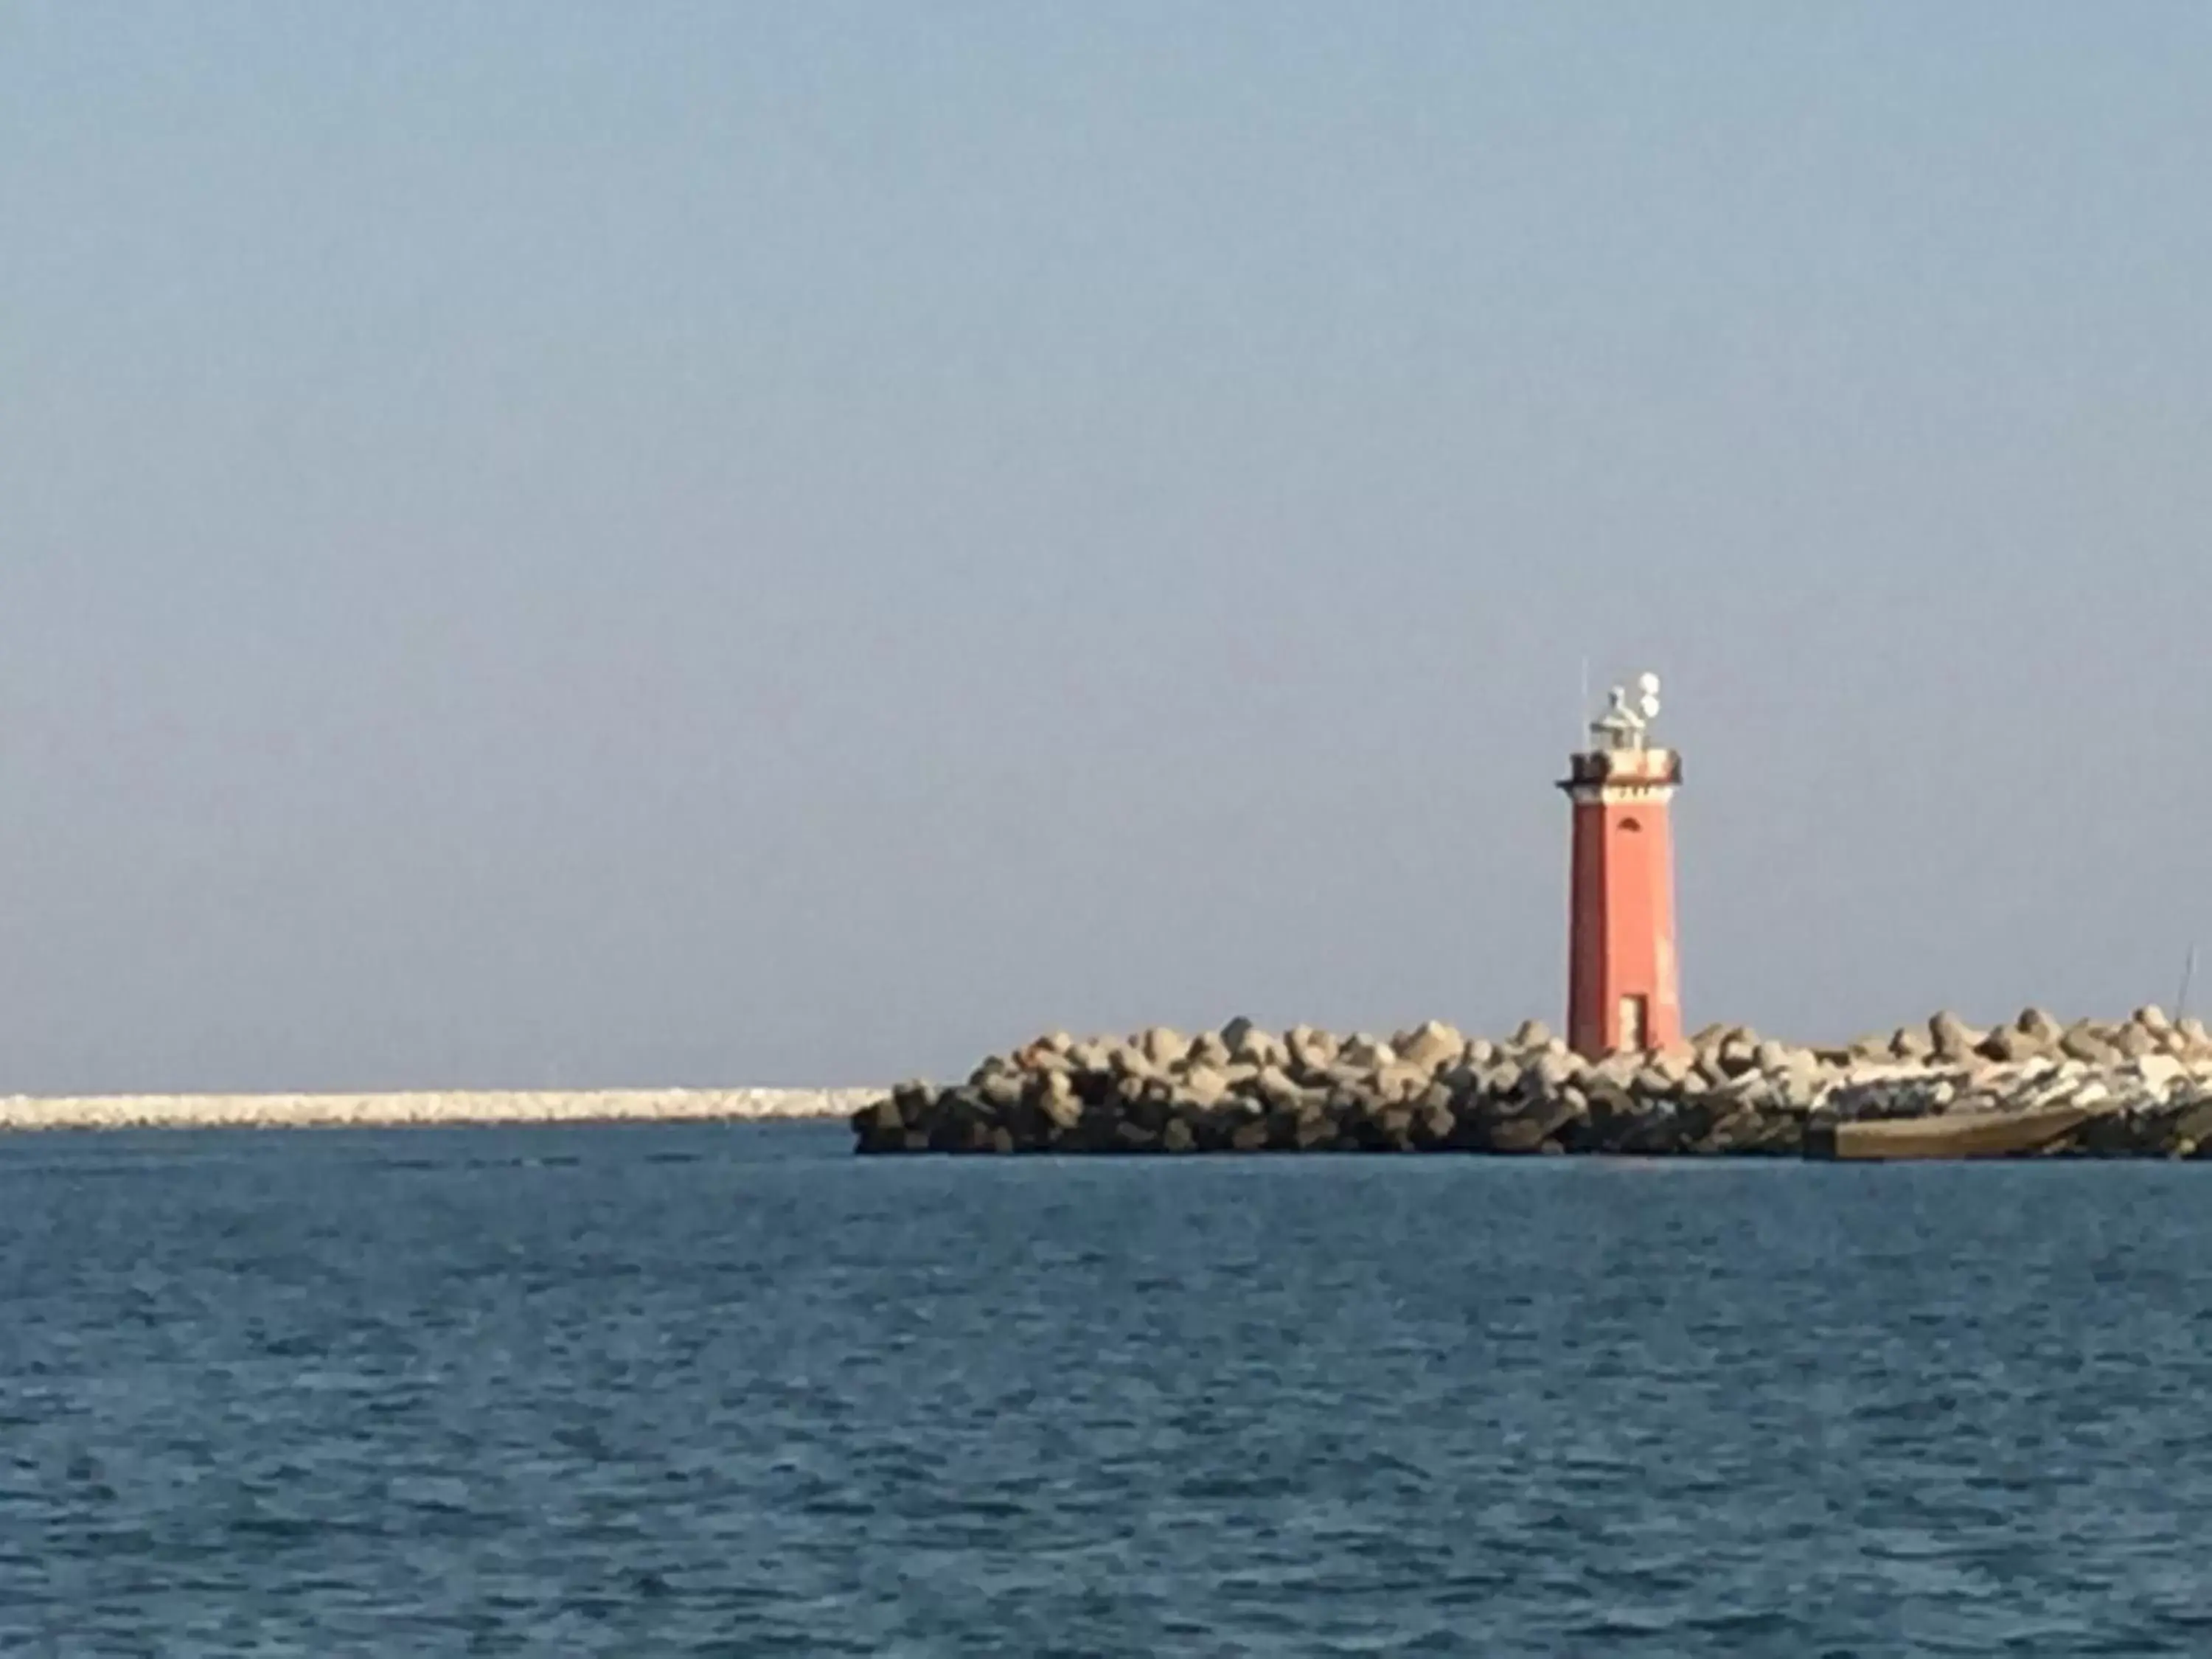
(2137, 1087)
(303, 1111)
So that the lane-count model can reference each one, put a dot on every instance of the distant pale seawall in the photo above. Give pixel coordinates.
(429, 1107)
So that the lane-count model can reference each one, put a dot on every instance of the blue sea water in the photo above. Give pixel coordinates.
(714, 1390)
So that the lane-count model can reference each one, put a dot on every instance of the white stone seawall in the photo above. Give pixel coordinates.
(426, 1108)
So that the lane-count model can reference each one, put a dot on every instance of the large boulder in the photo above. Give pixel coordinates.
(1434, 1126)
(1951, 1039)
(1207, 1052)
(1549, 1072)
(915, 1101)
(1737, 1126)
(1400, 1082)
(1092, 1054)
(1621, 1070)
(1163, 1045)
(1060, 1107)
(879, 1128)
(1202, 1089)
(1129, 1060)
(1797, 1088)
(2010, 1045)
(1389, 1130)
(1737, 1052)
(1042, 1050)
(1504, 1077)
(1342, 1082)
(1002, 1090)
(2087, 1042)
(1432, 1047)
(1770, 1057)
(1365, 1053)
(1254, 1047)
(1311, 1051)
(1515, 1134)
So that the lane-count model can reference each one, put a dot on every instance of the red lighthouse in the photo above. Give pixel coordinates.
(1622, 989)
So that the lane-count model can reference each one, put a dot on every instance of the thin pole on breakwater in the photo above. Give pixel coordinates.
(2188, 976)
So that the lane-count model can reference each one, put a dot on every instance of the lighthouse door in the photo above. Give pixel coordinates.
(1631, 1023)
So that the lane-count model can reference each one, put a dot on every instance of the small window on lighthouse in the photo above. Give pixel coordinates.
(1630, 826)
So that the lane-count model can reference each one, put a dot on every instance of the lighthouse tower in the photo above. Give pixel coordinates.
(1622, 991)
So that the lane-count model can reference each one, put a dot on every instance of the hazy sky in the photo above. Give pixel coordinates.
(806, 541)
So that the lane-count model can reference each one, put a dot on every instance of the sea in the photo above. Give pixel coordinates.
(706, 1389)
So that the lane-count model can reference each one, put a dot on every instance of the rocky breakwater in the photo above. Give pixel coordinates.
(2139, 1087)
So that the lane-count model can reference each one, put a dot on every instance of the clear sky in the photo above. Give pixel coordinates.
(696, 542)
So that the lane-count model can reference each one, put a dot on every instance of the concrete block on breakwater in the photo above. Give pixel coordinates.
(292, 1111)
(2138, 1087)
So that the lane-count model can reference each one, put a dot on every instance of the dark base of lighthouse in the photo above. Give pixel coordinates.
(2141, 1088)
